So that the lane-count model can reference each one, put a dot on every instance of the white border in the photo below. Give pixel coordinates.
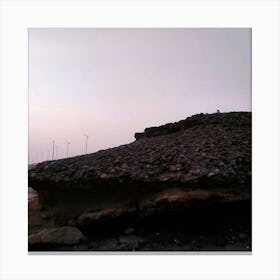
(262, 16)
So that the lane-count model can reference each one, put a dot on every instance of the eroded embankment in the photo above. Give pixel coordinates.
(195, 166)
(216, 227)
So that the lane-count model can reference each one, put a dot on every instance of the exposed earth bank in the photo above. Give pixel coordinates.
(182, 186)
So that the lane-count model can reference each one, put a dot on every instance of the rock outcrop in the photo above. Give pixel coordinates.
(199, 119)
(201, 161)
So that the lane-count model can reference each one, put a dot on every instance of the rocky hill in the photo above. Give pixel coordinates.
(198, 162)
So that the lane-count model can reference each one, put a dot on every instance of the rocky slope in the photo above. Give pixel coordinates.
(198, 163)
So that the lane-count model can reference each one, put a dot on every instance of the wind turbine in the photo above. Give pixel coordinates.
(86, 141)
(67, 152)
(53, 149)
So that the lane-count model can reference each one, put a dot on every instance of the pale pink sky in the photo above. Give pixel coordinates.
(111, 83)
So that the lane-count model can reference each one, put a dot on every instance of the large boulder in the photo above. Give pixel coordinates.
(56, 236)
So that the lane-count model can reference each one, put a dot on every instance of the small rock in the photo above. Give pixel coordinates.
(164, 178)
(176, 241)
(130, 242)
(195, 171)
(124, 166)
(129, 230)
(32, 194)
(103, 176)
(216, 171)
(243, 236)
(173, 168)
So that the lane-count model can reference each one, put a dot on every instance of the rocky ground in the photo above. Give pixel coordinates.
(182, 186)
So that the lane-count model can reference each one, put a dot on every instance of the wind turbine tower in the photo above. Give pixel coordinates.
(67, 152)
(86, 142)
(53, 150)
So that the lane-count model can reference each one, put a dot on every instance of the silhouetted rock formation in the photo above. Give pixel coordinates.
(198, 162)
(232, 119)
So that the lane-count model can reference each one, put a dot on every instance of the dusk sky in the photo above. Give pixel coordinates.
(111, 83)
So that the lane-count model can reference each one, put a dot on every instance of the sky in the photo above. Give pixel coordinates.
(109, 83)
